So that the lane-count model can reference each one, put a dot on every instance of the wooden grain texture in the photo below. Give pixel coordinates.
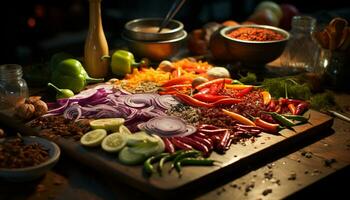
(239, 156)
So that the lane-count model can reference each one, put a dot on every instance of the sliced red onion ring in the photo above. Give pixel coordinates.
(166, 101)
(73, 112)
(139, 100)
(165, 125)
(61, 109)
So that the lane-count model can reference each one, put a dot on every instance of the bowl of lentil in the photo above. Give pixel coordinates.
(254, 44)
(26, 158)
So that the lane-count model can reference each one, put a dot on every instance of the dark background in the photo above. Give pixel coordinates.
(34, 30)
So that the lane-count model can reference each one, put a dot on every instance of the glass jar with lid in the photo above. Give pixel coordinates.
(12, 86)
(302, 52)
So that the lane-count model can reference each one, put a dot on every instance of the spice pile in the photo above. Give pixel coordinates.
(255, 34)
(55, 126)
(15, 154)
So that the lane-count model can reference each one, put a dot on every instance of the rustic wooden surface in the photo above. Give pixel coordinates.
(293, 172)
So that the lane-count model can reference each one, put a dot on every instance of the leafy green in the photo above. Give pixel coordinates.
(323, 101)
(278, 86)
(249, 79)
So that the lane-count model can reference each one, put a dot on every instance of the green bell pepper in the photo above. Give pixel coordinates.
(57, 58)
(123, 61)
(70, 74)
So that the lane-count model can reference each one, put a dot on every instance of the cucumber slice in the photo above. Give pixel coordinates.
(109, 124)
(130, 158)
(113, 142)
(93, 138)
(137, 138)
(146, 148)
(161, 145)
(124, 130)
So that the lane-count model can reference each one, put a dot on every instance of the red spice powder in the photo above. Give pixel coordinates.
(255, 34)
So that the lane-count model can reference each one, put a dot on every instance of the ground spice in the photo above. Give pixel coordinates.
(255, 34)
(15, 154)
(57, 126)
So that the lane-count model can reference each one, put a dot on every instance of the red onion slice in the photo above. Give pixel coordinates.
(166, 101)
(139, 100)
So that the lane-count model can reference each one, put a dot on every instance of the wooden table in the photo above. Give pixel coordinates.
(314, 167)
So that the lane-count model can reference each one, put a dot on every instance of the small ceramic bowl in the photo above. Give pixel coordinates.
(254, 52)
(144, 41)
(146, 29)
(34, 172)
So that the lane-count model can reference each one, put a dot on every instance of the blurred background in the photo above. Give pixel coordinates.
(34, 30)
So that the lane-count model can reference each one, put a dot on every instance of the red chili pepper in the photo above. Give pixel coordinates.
(213, 89)
(292, 108)
(204, 91)
(177, 81)
(180, 145)
(227, 101)
(195, 144)
(209, 97)
(221, 147)
(213, 131)
(207, 126)
(192, 101)
(285, 101)
(244, 91)
(216, 140)
(215, 81)
(169, 147)
(301, 108)
(177, 87)
(266, 126)
(272, 105)
(168, 92)
(204, 141)
(229, 143)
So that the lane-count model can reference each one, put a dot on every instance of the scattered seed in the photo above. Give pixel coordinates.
(292, 176)
(269, 165)
(233, 185)
(266, 192)
(329, 162)
(306, 172)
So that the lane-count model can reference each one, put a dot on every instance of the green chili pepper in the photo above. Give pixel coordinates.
(147, 165)
(167, 158)
(57, 58)
(282, 119)
(62, 93)
(193, 161)
(237, 82)
(185, 154)
(297, 118)
(70, 74)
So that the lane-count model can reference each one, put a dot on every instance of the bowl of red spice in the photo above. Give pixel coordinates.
(26, 158)
(254, 44)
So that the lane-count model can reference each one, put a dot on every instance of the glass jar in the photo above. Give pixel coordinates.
(302, 52)
(12, 86)
(336, 69)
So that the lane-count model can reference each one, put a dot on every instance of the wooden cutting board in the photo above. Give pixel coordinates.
(236, 158)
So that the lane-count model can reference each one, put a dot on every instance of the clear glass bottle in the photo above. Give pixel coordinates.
(12, 86)
(96, 44)
(302, 52)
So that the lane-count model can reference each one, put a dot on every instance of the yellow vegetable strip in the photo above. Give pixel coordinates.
(239, 117)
